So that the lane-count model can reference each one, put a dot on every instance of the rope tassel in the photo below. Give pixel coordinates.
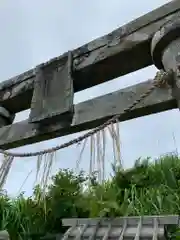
(4, 169)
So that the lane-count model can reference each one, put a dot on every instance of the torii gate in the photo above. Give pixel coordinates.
(49, 89)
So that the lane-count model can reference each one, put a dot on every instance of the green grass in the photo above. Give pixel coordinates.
(149, 188)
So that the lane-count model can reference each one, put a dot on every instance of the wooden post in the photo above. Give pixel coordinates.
(165, 51)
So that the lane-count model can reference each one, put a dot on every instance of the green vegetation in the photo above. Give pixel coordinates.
(150, 187)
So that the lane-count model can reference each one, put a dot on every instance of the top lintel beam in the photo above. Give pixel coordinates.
(120, 52)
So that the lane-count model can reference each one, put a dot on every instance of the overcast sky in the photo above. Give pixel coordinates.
(35, 31)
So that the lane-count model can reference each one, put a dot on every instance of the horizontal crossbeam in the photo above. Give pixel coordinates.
(90, 114)
(101, 60)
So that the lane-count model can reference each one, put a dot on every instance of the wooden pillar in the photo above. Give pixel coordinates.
(165, 51)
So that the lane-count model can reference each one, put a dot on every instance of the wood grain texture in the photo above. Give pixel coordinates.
(53, 93)
(103, 59)
(90, 114)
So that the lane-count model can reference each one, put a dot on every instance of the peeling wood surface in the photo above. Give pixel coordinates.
(100, 60)
(90, 114)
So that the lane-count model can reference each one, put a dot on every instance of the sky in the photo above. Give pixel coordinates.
(35, 31)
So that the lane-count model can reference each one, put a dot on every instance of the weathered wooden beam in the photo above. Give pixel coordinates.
(103, 59)
(90, 114)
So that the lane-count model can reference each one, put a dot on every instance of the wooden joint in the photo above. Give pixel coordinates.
(53, 94)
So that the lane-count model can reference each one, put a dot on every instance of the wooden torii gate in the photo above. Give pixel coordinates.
(49, 88)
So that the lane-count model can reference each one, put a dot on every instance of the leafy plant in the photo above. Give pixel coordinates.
(148, 188)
